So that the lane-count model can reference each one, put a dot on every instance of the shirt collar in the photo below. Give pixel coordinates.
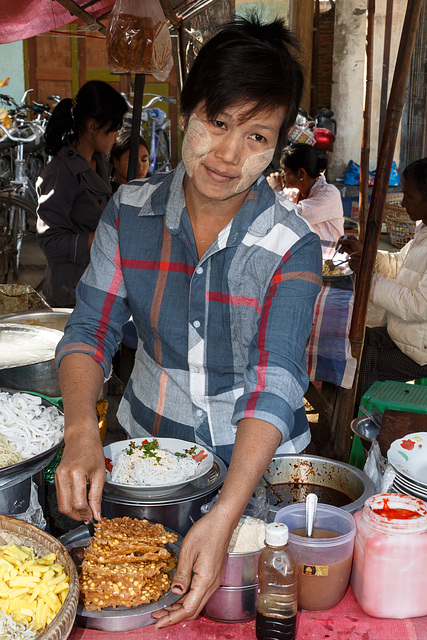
(166, 197)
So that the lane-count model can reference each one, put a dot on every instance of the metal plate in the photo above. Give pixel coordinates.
(121, 618)
(208, 483)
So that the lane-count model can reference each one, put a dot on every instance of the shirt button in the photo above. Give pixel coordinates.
(199, 412)
(70, 153)
(196, 324)
(196, 370)
(199, 270)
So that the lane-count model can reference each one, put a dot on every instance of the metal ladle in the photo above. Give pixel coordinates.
(310, 513)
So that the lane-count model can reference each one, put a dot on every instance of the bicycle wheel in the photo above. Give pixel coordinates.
(163, 162)
(21, 258)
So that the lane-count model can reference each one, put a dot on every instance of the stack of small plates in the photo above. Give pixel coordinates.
(408, 456)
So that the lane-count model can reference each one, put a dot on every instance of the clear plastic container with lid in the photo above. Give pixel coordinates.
(389, 577)
(277, 587)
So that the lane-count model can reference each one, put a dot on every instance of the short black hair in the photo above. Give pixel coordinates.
(299, 155)
(247, 61)
(122, 144)
(416, 172)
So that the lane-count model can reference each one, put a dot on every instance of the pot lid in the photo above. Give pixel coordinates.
(25, 345)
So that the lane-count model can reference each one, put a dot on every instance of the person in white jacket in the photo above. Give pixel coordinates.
(398, 351)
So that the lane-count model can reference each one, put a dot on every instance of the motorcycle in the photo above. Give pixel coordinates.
(319, 132)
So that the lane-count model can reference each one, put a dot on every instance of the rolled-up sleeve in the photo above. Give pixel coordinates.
(276, 377)
(94, 327)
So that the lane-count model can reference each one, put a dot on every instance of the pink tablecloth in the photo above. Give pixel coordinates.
(346, 621)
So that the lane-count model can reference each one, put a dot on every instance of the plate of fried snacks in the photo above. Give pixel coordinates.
(332, 271)
(125, 572)
(154, 467)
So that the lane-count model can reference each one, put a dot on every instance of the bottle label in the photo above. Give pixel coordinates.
(311, 570)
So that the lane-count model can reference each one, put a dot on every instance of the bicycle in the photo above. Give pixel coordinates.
(19, 250)
(157, 125)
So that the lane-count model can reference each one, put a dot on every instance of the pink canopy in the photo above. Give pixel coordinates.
(21, 19)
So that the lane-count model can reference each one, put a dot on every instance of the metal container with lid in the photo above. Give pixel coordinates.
(177, 511)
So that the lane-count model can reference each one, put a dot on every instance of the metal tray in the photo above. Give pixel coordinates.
(37, 462)
(119, 619)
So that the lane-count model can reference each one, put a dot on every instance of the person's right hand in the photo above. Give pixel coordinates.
(349, 245)
(353, 247)
(275, 180)
(82, 464)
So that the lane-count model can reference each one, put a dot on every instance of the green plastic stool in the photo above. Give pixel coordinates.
(389, 394)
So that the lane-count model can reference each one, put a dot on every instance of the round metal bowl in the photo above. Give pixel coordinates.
(334, 482)
(178, 511)
(232, 604)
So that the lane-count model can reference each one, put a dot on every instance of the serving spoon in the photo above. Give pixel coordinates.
(310, 513)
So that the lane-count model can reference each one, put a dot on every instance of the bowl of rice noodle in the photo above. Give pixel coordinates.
(31, 431)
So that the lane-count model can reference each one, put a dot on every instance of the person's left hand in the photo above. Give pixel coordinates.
(354, 262)
(199, 571)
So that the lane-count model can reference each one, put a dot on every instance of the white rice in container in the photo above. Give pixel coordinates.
(248, 536)
(151, 471)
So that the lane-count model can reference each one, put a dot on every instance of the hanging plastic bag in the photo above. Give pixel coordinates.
(138, 39)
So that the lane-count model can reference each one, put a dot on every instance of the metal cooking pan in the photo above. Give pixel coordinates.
(27, 358)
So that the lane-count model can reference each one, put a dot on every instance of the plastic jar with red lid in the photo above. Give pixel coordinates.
(389, 576)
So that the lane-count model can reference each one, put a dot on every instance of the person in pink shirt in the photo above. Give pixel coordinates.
(303, 182)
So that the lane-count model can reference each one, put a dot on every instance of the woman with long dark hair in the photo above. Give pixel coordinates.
(74, 188)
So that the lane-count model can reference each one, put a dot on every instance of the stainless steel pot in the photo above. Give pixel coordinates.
(48, 318)
(27, 358)
(177, 511)
(334, 482)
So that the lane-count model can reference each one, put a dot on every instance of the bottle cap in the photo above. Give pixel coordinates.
(276, 534)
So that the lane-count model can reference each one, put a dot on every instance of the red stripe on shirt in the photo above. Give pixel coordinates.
(318, 311)
(110, 298)
(157, 265)
(226, 298)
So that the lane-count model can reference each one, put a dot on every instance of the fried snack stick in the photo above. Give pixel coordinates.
(144, 569)
(124, 528)
(112, 557)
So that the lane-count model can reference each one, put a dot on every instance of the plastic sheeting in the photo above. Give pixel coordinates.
(21, 19)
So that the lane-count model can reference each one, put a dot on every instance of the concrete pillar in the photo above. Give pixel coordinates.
(348, 78)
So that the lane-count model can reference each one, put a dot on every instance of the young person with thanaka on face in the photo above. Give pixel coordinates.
(221, 279)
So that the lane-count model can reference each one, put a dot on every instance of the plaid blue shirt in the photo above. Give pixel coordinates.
(221, 338)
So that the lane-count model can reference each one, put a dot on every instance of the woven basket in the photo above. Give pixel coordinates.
(17, 532)
(400, 227)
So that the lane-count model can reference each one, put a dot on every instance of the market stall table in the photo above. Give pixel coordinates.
(329, 358)
(346, 621)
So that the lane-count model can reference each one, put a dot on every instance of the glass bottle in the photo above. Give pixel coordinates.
(277, 587)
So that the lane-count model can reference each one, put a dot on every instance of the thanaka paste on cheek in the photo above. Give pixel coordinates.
(196, 144)
(252, 169)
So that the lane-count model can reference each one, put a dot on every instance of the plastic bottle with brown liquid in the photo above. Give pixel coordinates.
(277, 587)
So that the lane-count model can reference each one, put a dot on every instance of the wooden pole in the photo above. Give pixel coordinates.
(374, 221)
(386, 66)
(301, 15)
(138, 95)
(366, 131)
